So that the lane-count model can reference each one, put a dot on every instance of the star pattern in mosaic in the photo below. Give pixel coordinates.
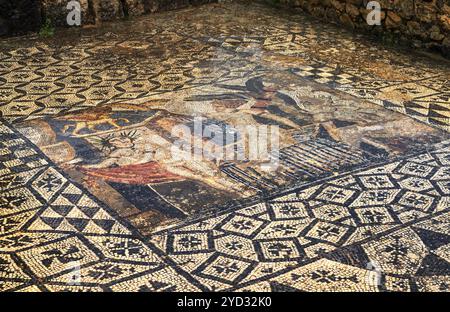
(324, 236)
(328, 236)
(53, 235)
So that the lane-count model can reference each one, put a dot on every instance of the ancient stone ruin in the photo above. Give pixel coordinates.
(424, 22)
(20, 16)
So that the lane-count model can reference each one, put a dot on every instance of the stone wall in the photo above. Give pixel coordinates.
(20, 16)
(423, 23)
(96, 11)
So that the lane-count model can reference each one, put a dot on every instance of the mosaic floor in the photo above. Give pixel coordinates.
(360, 200)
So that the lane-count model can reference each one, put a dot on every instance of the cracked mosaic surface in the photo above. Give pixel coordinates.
(359, 202)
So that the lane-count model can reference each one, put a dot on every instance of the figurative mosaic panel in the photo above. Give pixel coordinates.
(122, 151)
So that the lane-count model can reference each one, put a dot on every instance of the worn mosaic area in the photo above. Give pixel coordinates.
(359, 202)
(109, 148)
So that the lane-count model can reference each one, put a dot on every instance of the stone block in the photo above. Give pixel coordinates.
(393, 20)
(406, 8)
(435, 33)
(107, 10)
(426, 12)
(347, 20)
(446, 9)
(352, 10)
(338, 5)
(444, 22)
(134, 7)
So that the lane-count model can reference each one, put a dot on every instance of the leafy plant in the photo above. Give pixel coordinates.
(47, 29)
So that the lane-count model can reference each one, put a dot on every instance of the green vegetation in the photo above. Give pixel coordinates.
(47, 29)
